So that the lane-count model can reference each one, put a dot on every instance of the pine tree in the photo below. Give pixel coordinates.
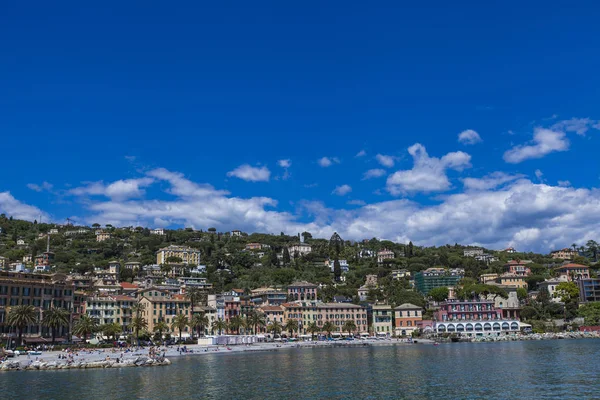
(286, 256)
(337, 270)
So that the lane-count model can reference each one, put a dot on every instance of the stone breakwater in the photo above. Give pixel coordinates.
(142, 361)
(539, 336)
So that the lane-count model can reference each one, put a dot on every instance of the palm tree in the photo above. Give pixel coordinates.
(257, 319)
(138, 308)
(329, 327)
(313, 328)
(593, 247)
(349, 326)
(85, 326)
(291, 325)
(138, 324)
(198, 322)
(574, 246)
(235, 323)
(180, 321)
(195, 296)
(219, 325)
(113, 330)
(21, 317)
(275, 327)
(55, 318)
(160, 327)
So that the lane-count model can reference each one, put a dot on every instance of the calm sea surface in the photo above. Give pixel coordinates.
(565, 369)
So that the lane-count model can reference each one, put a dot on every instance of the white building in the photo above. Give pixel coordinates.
(188, 255)
(472, 252)
(384, 254)
(301, 249)
(343, 265)
(158, 231)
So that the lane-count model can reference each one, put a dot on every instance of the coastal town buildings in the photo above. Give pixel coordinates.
(302, 291)
(472, 252)
(589, 290)
(573, 272)
(383, 324)
(187, 255)
(473, 318)
(433, 278)
(407, 318)
(564, 254)
(384, 255)
(42, 291)
(551, 284)
(517, 267)
(299, 249)
(160, 305)
(336, 313)
(101, 236)
(109, 309)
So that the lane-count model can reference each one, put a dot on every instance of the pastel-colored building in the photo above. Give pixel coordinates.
(383, 316)
(564, 254)
(109, 309)
(161, 305)
(336, 313)
(384, 254)
(473, 318)
(101, 236)
(299, 249)
(517, 267)
(407, 317)
(188, 255)
(573, 272)
(302, 291)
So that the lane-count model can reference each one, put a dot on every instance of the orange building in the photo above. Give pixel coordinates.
(407, 316)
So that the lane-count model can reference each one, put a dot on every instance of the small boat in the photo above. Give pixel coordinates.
(436, 344)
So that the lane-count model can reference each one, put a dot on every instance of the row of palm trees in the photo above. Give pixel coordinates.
(20, 317)
(328, 327)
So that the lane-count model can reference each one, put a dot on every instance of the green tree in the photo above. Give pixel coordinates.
(180, 322)
(257, 319)
(439, 294)
(337, 270)
(336, 245)
(275, 327)
(85, 326)
(286, 257)
(329, 327)
(219, 325)
(21, 317)
(195, 296)
(591, 313)
(113, 330)
(235, 323)
(522, 293)
(160, 327)
(313, 329)
(54, 319)
(349, 326)
(138, 323)
(199, 322)
(291, 326)
(567, 292)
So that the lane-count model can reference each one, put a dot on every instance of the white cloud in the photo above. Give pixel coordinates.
(45, 186)
(578, 125)
(525, 215)
(118, 190)
(490, 181)
(342, 190)
(12, 207)
(428, 173)
(361, 153)
(374, 173)
(386, 161)
(469, 137)
(564, 183)
(251, 174)
(356, 202)
(539, 174)
(285, 163)
(328, 161)
(545, 141)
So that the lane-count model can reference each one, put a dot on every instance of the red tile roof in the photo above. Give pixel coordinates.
(127, 285)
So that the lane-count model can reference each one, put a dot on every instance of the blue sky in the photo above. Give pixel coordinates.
(151, 114)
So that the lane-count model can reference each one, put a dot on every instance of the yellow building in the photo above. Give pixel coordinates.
(512, 280)
(101, 236)
(161, 305)
(187, 255)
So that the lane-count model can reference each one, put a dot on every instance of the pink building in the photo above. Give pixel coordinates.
(302, 291)
(517, 267)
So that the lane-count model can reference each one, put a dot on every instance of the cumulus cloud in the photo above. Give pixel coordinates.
(118, 190)
(386, 161)
(45, 186)
(578, 125)
(285, 163)
(342, 190)
(328, 161)
(249, 173)
(356, 202)
(539, 174)
(428, 173)
(469, 137)
(361, 153)
(490, 181)
(12, 207)
(564, 183)
(499, 211)
(374, 173)
(545, 141)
